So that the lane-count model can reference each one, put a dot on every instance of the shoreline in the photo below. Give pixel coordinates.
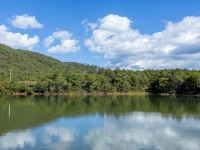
(140, 93)
(80, 94)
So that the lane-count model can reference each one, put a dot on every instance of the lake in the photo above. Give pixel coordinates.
(100, 123)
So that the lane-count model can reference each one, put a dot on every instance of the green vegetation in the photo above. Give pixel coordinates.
(34, 73)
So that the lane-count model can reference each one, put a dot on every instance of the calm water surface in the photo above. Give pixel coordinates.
(100, 123)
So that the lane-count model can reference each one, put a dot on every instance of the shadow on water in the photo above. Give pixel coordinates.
(18, 113)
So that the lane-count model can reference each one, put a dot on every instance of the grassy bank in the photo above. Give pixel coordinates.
(79, 93)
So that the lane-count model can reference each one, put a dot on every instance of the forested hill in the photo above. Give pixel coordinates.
(32, 73)
(28, 65)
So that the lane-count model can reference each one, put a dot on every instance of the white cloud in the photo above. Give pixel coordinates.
(17, 40)
(16, 140)
(25, 21)
(177, 46)
(67, 43)
(87, 26)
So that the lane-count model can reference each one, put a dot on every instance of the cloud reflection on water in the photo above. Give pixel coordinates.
(59, 138)
(145, 131)
(135, 131)
(14, 140)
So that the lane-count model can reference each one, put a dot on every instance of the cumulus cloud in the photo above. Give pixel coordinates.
(87, 25)
(144, 131)
(25, 22)
(67, 43)
(177, 46)
(16, 140)
(17, 40)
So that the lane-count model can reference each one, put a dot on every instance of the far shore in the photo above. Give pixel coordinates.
(137, 93)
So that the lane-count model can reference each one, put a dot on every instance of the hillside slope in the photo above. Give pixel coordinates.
(28, 65)
(53, 76)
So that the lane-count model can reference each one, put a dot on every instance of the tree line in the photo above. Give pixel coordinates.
(102, 80)
(33, 72)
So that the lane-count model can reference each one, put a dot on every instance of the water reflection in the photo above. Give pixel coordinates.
(15, 140)
(145, 131)
(100, 123)
(59, 138)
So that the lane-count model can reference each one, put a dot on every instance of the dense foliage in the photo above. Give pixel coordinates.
(36, 73)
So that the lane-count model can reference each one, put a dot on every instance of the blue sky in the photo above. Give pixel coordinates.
(145, 16)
